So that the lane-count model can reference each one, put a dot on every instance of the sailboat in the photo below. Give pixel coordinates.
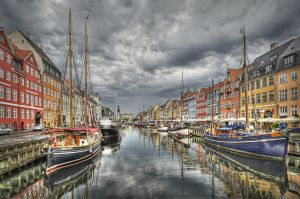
(75, 144)
(181, 129)
(271, 145)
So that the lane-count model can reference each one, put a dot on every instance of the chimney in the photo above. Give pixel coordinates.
(274, 45)
(28, 34)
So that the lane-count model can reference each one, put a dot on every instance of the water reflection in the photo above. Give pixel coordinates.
(138, 164)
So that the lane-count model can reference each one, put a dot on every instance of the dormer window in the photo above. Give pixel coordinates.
(289, 60)
(268, 68)
(273, 57)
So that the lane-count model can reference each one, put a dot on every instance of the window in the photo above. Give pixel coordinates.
(271, 96)
(252, 113)
(283, 78)
(294, 93)
(8, 58)
(15, 78)
(1, 54)
(32, 100)
(8, 76)
(273, 57)
(252, 99)
(15, 114)
(31, 71)
(264, 83)
(36, 100)
(264, 97)
(40, 101)
(27, 83)
(1, 73)
(27, 114)
(14, 95)
(268, 68)
(27, 98)
(1, 112)
(8, 126)
(257, 98)
(22, 81)
(294, 75)
(283, 110)
(27, 68)
(1, 92)
(22, 113)
(252, 85)
(271, 80)
(294, 111)
(8, 96)
(283, 94)
(258, 84)
(288, 60)
(8, 112)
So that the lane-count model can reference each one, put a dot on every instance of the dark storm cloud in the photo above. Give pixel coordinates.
(138, 48)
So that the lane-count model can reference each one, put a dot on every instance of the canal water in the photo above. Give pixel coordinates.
(137, 164)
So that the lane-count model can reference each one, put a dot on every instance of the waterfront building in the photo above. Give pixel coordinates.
(213, 95)
(189, 104)
(201, 103)
(52, 86)
(128, 117)
(230, 93)
(288, 87)
(162, 112)
(20, 87)
(156, 112)
(273, 85)
(169, 112)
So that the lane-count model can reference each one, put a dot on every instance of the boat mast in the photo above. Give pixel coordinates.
(212, 105)
(85, 62)
(70, 54)
(245, 67)
(181, 97)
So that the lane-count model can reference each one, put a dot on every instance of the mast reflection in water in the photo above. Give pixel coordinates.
(137, 164)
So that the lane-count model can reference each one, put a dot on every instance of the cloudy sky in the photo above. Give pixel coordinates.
(139, 48)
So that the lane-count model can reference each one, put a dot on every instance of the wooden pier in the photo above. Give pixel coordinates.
(16, 152)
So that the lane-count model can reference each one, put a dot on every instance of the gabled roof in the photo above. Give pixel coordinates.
(39, 50)
(292, 49)
(21, 54)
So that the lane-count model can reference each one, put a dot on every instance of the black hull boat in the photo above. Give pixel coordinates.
(73, 147)
(265, 168)
(109, 128)
(55, 180)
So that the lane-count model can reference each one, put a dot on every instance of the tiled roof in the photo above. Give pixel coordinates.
(39, 51)
(21, 54)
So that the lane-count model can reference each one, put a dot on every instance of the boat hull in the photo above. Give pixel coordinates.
(163, 129)
(108, 131)
(264, 146)
(183, 132)
(59, 158)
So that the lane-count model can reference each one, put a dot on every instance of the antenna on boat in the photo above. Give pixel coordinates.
(245, 68)
(70, 56)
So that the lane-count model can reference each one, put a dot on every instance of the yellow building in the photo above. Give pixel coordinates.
(264, 86)
(156, 112)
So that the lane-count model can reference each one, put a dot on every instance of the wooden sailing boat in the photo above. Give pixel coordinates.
(265, 145)
(76, 144)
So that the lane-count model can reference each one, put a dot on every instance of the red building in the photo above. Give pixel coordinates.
(20, 87)
(201, 103)
(230, 95)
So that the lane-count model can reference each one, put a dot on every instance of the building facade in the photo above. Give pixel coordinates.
(201, 103)
(52, 83)
(20, 87)
(230, 95)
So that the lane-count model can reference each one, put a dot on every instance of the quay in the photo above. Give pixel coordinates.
(18, 150)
